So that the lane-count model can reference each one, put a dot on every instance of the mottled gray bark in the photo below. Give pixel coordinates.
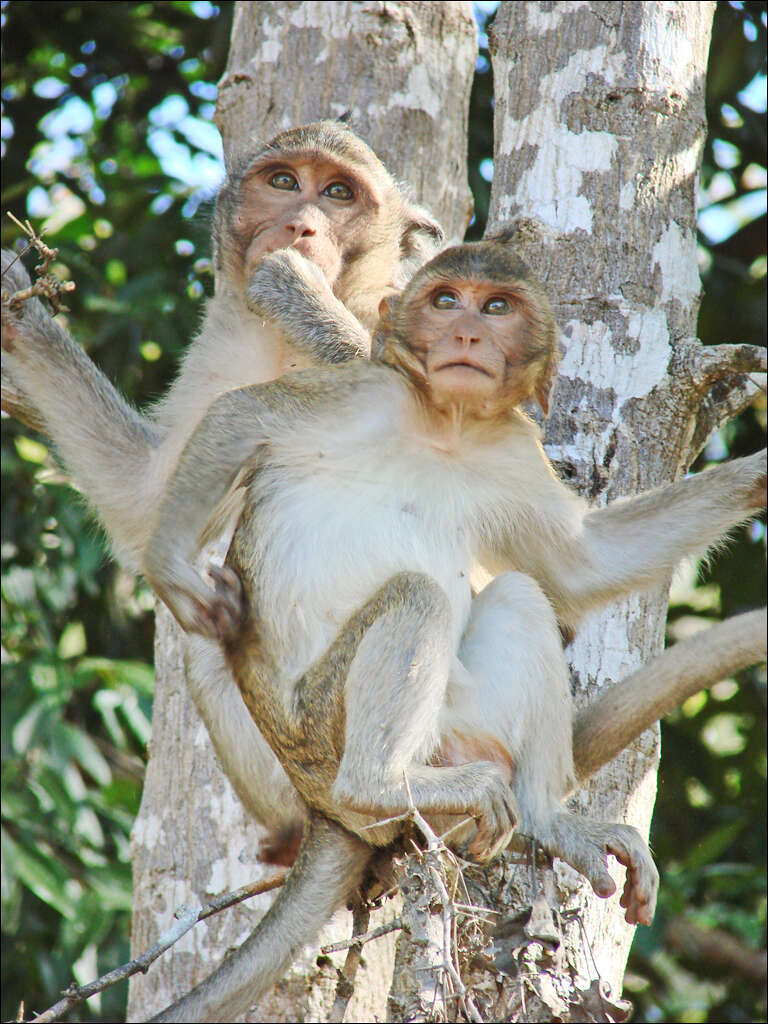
(599, 126)
(388, 65)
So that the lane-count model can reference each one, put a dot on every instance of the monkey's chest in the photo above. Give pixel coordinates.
(324, 542)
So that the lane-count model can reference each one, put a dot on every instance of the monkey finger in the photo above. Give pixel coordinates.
(227, 584)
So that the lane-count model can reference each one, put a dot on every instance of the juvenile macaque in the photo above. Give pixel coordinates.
(345, 607)
(313, 214)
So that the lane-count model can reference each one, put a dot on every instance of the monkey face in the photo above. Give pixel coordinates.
(315, 204)
(469, 333)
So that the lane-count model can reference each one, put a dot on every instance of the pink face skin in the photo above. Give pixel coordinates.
(469, 331)
(315, 205)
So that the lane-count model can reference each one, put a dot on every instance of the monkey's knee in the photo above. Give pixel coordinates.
(512, 618)
(420, 595)
(517, 595)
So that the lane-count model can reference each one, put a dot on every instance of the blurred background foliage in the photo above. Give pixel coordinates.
(107, 140)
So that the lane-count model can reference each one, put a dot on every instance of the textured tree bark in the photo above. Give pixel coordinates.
(599, 125)
(290, 63)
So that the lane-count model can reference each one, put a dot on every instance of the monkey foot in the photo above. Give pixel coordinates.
(585, 845)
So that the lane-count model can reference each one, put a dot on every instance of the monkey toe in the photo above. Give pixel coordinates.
(642, 883)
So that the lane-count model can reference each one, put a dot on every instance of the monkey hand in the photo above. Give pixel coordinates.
(641, 885)
(214, 613)
(280, 280)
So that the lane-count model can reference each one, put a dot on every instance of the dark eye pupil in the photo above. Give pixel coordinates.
(339, 191)
(496, 306)
(444, 301)
(285, 181)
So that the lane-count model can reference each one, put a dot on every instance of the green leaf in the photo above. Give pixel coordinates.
(40, 873)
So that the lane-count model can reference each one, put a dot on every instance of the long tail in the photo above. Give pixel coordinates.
(329, 868)
(625, 710)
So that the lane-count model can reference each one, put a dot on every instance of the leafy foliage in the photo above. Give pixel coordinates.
(107, 138)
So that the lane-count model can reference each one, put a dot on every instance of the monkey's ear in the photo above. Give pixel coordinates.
(420, 228)
(387, 307)
(544, 390)
(542, 393)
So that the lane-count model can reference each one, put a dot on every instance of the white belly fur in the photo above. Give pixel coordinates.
(336, 534)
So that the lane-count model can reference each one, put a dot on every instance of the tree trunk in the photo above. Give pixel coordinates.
(599, 127)
(290, 63)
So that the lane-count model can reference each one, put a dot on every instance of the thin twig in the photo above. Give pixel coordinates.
(47, 285)
(361, 917)
(186, 918)
(360, 940)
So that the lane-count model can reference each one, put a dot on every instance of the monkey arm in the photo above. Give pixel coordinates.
(15, 403)
(625, 710)
(228, 439)
(636, 543)
(51, 384)
(290, 291)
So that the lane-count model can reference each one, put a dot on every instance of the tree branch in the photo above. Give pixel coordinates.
(715, 362)
(625, 710)
(186, 919)
(724, 402)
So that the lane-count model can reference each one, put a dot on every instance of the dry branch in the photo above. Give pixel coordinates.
(186, 918)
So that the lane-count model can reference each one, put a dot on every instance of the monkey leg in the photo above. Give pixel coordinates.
(330, 866)
(393, 692)
(364, 717)
(514, 705)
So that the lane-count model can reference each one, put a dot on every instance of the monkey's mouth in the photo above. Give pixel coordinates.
(463, 365)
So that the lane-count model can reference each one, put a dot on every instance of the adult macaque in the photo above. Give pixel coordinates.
(312, 212)
(355, 640)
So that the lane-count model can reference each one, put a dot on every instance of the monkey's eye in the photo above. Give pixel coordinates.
(284, 181)
(497, 305)
(338, 190)
(445, 300)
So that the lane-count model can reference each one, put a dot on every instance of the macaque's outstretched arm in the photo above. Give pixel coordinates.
(636, 543)
(55, 385)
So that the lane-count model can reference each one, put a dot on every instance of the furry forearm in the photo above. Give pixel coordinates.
(293, 294)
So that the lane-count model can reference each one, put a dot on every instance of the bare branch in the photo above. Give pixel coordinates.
(360, 939)
(186, 918)
(47, 285)
(361, 917)
(717, 949)
(624, 711)
(725, 401)
(715, 362)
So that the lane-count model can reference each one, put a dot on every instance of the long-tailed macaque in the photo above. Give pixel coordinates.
(313, 213)
(345, 609)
